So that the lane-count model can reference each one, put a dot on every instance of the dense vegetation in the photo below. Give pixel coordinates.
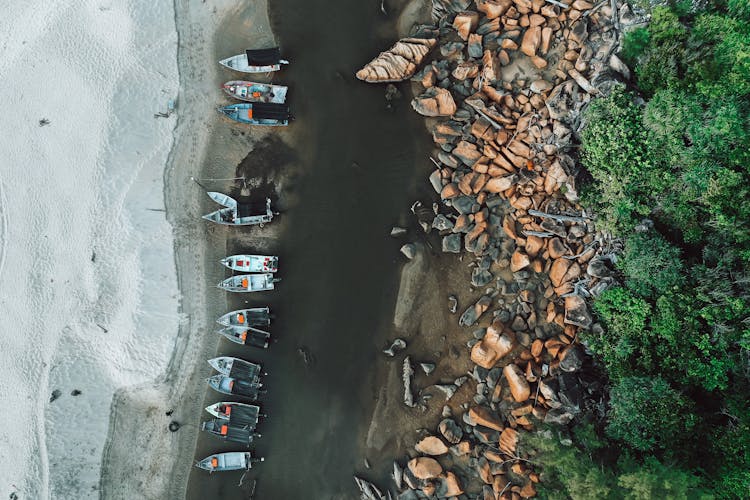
(671, 176)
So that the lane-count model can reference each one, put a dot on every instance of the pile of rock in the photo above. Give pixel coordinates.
(510, 83)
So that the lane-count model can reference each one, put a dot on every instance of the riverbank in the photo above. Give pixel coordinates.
(143, 458)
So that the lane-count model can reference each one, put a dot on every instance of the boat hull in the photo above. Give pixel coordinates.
(258, 316)
(251, 263)
(246, 283)
(255, 92)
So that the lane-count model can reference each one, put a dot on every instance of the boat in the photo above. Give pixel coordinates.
(235, 387)
(236, 413)
(235, 367)
(252, 263)
(244, 335)
(249, 283)
(238, 214)
(237, 433)
(255, 61)
(258, 113)
(231, 460)
(256, 316)
(255, 92)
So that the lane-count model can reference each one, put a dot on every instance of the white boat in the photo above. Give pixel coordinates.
(235, 386)
(252, 263)
(255, 92)
(255, 61)
(232, 460)
(255, 316)
(238, 214)
(244, 335)
(230, 410)
(249, 283)
(235, 367)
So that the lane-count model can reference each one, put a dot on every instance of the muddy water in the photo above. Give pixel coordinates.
(359, 164)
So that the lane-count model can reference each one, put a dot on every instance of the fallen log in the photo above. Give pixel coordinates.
(561, 218)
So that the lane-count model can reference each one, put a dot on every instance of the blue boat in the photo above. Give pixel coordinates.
(258, 113)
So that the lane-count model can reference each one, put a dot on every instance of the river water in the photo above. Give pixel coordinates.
(339, 267)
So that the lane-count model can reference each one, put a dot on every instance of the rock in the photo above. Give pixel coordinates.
(557, 248)
(396, 346)
(546, 39)
(571, 358)
(475, 46)
(598, 268)
(518, 261)
(434, 101)
(499, 184)
(493, 9)
(472, 314)
(519, 387)
(495, 344)
(448, 486)
(531, 40)
(576, 311)
(509, 441)
(534, 245)
(442, 223)
(427, 368)
(450, 431)
(616, 64)
(409, 250)
(452, 304)
(436, 181)
(447, 390)
(480, 277)
(452, 243)
(557, 272)
(528, 491)
(582, 82)
(467, 153)
(406, 374)
(465, 23)
(485, 417)
(399, 62)
(431, 445)
(397, 232)
(424, 467)
(449, 191)
(539, 86)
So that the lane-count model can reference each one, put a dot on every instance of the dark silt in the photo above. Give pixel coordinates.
(359, 164)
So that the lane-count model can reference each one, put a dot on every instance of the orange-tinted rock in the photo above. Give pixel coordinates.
(536, 348)
(451, 485)
(435, 101)
(494, 345)
(556, 248)
(465, 23)
(485, 417)
(449, 191)
(528, 491)
(518, 261)
(531, 40)
(557, 273)
(533, 245)
(519, 387)
(431, 445)
(539, 62)
(509, 441)
(499, 184)
(399, 62)
(546, 39)
(493, 8)
(425, 467)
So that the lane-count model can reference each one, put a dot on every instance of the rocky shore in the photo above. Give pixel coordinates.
(503, 88)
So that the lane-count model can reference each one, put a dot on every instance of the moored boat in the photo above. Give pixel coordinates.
(255, 61)
(232, 460)
(255, 92)
(258, 113)
(252, 263)
(243, 283)
(235, 367)
(239, 413)
(237, 433)
(238, 214)
(234, 387)
(246, 336)
(256, 316)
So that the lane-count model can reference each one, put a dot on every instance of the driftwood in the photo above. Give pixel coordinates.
(398, 475)
(368, 490)
(485, 115)
(539, 234)
(559, 4)
(561, 218)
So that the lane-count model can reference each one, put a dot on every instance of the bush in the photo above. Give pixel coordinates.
(651, 265)
(647, 414)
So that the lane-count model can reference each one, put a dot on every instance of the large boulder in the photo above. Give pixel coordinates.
(576, 311)
(435, 101)
(465, 23)
(425, 467)
(519, 387)
(495, 344)
(493, 8)
(431, 445)
(531, 40)
(399, 62)
(485, 417)
(451, 431)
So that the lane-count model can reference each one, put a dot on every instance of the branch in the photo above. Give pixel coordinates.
(559, 4)
(561, 218)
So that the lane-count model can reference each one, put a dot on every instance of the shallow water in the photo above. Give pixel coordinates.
(361, 162)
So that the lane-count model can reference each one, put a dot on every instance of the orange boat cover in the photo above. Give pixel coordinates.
(214, 462)
(240, 318)
(244, 282)
(224, 430)
(243, 336)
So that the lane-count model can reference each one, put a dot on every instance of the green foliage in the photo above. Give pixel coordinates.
(651, 265)
(634, 44)
(656, 480)
(648, 414)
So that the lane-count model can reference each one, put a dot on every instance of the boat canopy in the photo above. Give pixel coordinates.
(263, 57)
(270, 111)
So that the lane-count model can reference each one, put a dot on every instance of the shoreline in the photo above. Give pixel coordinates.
(148, 460)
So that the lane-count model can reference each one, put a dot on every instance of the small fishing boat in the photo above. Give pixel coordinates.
(235, 367)
(236, 413)
(232, 460)
(249, 283)
(255, 92)
(235, 387)
(246, 336)
(255, 61)
(252, 263)
(238, 214)
(237, 433)
(258, 113)
(256, 316)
